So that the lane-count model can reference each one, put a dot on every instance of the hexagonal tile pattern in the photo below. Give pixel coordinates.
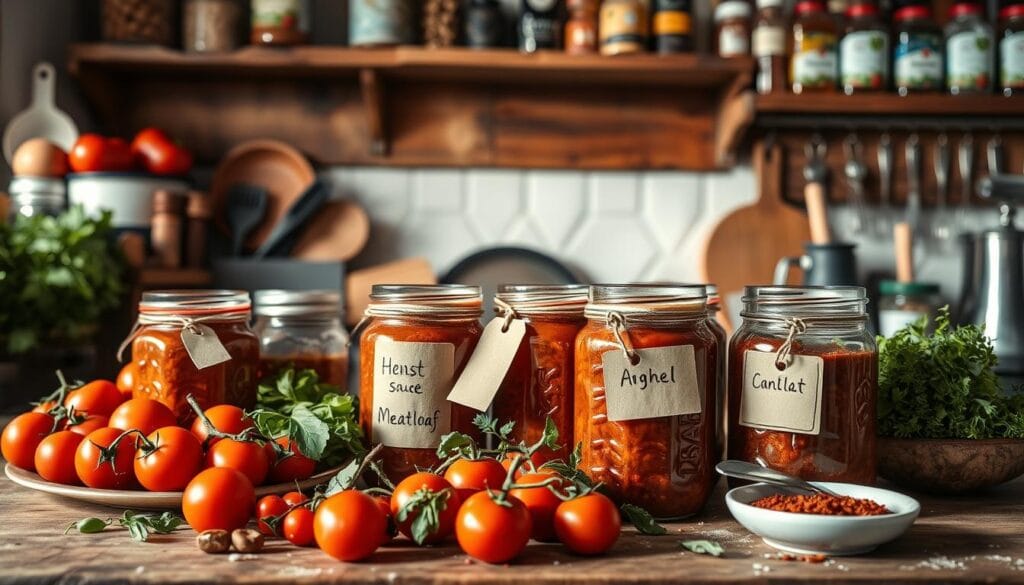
(672, 202)
(613, 248)
(494, 202)
(556, 202)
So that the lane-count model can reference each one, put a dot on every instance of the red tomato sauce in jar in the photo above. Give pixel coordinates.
(832, 336)
(164, 370)
(664, 463)
(416, 343)
(539, 382)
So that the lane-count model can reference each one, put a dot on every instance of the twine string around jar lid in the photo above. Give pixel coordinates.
(508, 311)
(797, 326)
(618, 325)
(619, 316)
(784, 356)
(189, 324)
(455, 307)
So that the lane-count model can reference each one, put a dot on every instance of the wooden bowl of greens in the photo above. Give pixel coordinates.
(944, 424)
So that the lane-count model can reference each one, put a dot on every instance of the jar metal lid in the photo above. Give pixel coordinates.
(895, 287)
(194, 301)
(637, 301)
(296, 303)
(440, 300)
(839, 302)
(732, 9)
(527, 299)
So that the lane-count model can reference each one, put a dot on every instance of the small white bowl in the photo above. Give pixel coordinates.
(820, 534)
(129, 195)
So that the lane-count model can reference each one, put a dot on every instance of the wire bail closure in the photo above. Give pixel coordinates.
(618, 324)
(784, 356)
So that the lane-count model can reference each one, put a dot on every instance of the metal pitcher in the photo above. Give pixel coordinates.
(822, 264)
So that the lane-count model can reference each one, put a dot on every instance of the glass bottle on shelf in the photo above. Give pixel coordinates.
(969, 58)
(280, 23)
(540, 25)
(581, 28)
(917, 52)
(768, 44)
(864, 50)
(672, 26)
(1011, 49)
(623, 27)
(485, 26)
(814, 64)
(732, 28)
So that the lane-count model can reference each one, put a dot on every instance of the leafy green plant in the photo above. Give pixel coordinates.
(58, 275)
(942, 386)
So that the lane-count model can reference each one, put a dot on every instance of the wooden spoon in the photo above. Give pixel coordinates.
(745, 246)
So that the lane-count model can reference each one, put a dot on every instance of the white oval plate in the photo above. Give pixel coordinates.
(818, 534)
(139, 499)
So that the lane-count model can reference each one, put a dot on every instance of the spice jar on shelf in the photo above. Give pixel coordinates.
(969, 50)
(167, 224)
(581, 28)
(485, 25)
(416, 341)
(768, 45)
(654, 341)
(864, 50)
(302, 329)
(623, 27)
(540, 25)
(280, 23)
(139, 21)
(381, 22)
(1011, 49)
(803, 383)
(672, 26)
(814, 64)
(539, 382)
(194, 342)
(211, 26)
(732, 28)
(902, 303)
(917, 51)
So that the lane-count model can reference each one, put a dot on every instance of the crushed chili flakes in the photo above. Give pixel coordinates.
(823, 504)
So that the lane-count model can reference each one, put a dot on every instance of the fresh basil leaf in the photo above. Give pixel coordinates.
(454, 443)
(344, 479)
(703, 547)
(309, 433)
(642, 520)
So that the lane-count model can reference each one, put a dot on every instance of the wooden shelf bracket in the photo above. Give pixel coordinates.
(372, 87)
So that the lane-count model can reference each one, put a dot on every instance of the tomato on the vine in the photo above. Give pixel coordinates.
(588, 525)
(55, 457)
(349, 525)
(425, 488)
(247, 457)
(541, 502)
(168, 459)
(226, 418)
(269, 507)
(298, 526)
(142, 414)
(492, 532)
(126, 380)
(295, 467)
(22, 435)
(294, 498)
(91, 423)
(115, 473)
(469, 476)
(96, 397)
(45, 407)
(218, 498)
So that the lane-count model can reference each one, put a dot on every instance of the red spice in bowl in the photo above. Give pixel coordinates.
(822, 504)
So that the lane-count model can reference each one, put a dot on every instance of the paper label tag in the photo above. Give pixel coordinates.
(489, 364)
(203, 346)
(663, 383)
(410, 385)
(781, 400)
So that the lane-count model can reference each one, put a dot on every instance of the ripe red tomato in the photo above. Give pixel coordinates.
(529, 466)
(45, 406)
(246, 456)
(142, 414)
(157, 153)
(22, 435)
(225, 418)
(541, 502)
(118, 474)
(298, 527)
(294, 498)
(94, 153)
(91, 423)
(296, 467)
(172, 463)
(349, 525)
(492, 532)
(431, 482)
(269, 507)
(96, 397)
(469, 476)
(126, 379)
(588, 525)
(218, 498)
(55, 457)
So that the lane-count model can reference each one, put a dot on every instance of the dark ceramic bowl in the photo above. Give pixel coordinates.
(950, 466)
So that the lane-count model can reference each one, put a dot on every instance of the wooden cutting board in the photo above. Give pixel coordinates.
(745, 246)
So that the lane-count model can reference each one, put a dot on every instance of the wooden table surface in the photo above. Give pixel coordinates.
(969, 540)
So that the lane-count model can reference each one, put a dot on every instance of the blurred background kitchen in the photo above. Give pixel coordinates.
(615, 141)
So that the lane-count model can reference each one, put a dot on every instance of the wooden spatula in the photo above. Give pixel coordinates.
(745, 246)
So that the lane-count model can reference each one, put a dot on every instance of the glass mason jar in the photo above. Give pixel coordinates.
(970, 55)
(803, 383)
(195, 342)
(416, 341)
(903, 303)
(646, 365)
(302, 329)
(539, 382)
(714, 308)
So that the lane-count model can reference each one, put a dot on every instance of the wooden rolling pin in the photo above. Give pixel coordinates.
(814, 193)
(903, 241)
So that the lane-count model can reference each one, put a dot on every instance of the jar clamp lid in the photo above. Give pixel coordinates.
(296, 303)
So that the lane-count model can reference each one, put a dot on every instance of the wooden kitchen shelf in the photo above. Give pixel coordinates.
(412, 106)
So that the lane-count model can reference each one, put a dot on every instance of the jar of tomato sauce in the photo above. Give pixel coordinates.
(646, 376)
(803, 383)
(195, 342)
(416, 341)
(302, 330)
(539, 382)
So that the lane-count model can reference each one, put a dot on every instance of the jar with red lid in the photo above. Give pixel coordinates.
(917, 51)
(969, 50)
(198, 343)
(864, 51)
(416, 339)
(814, 64)
(646, 365)
(803, 383)
(1011, 49)
(539, 382)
